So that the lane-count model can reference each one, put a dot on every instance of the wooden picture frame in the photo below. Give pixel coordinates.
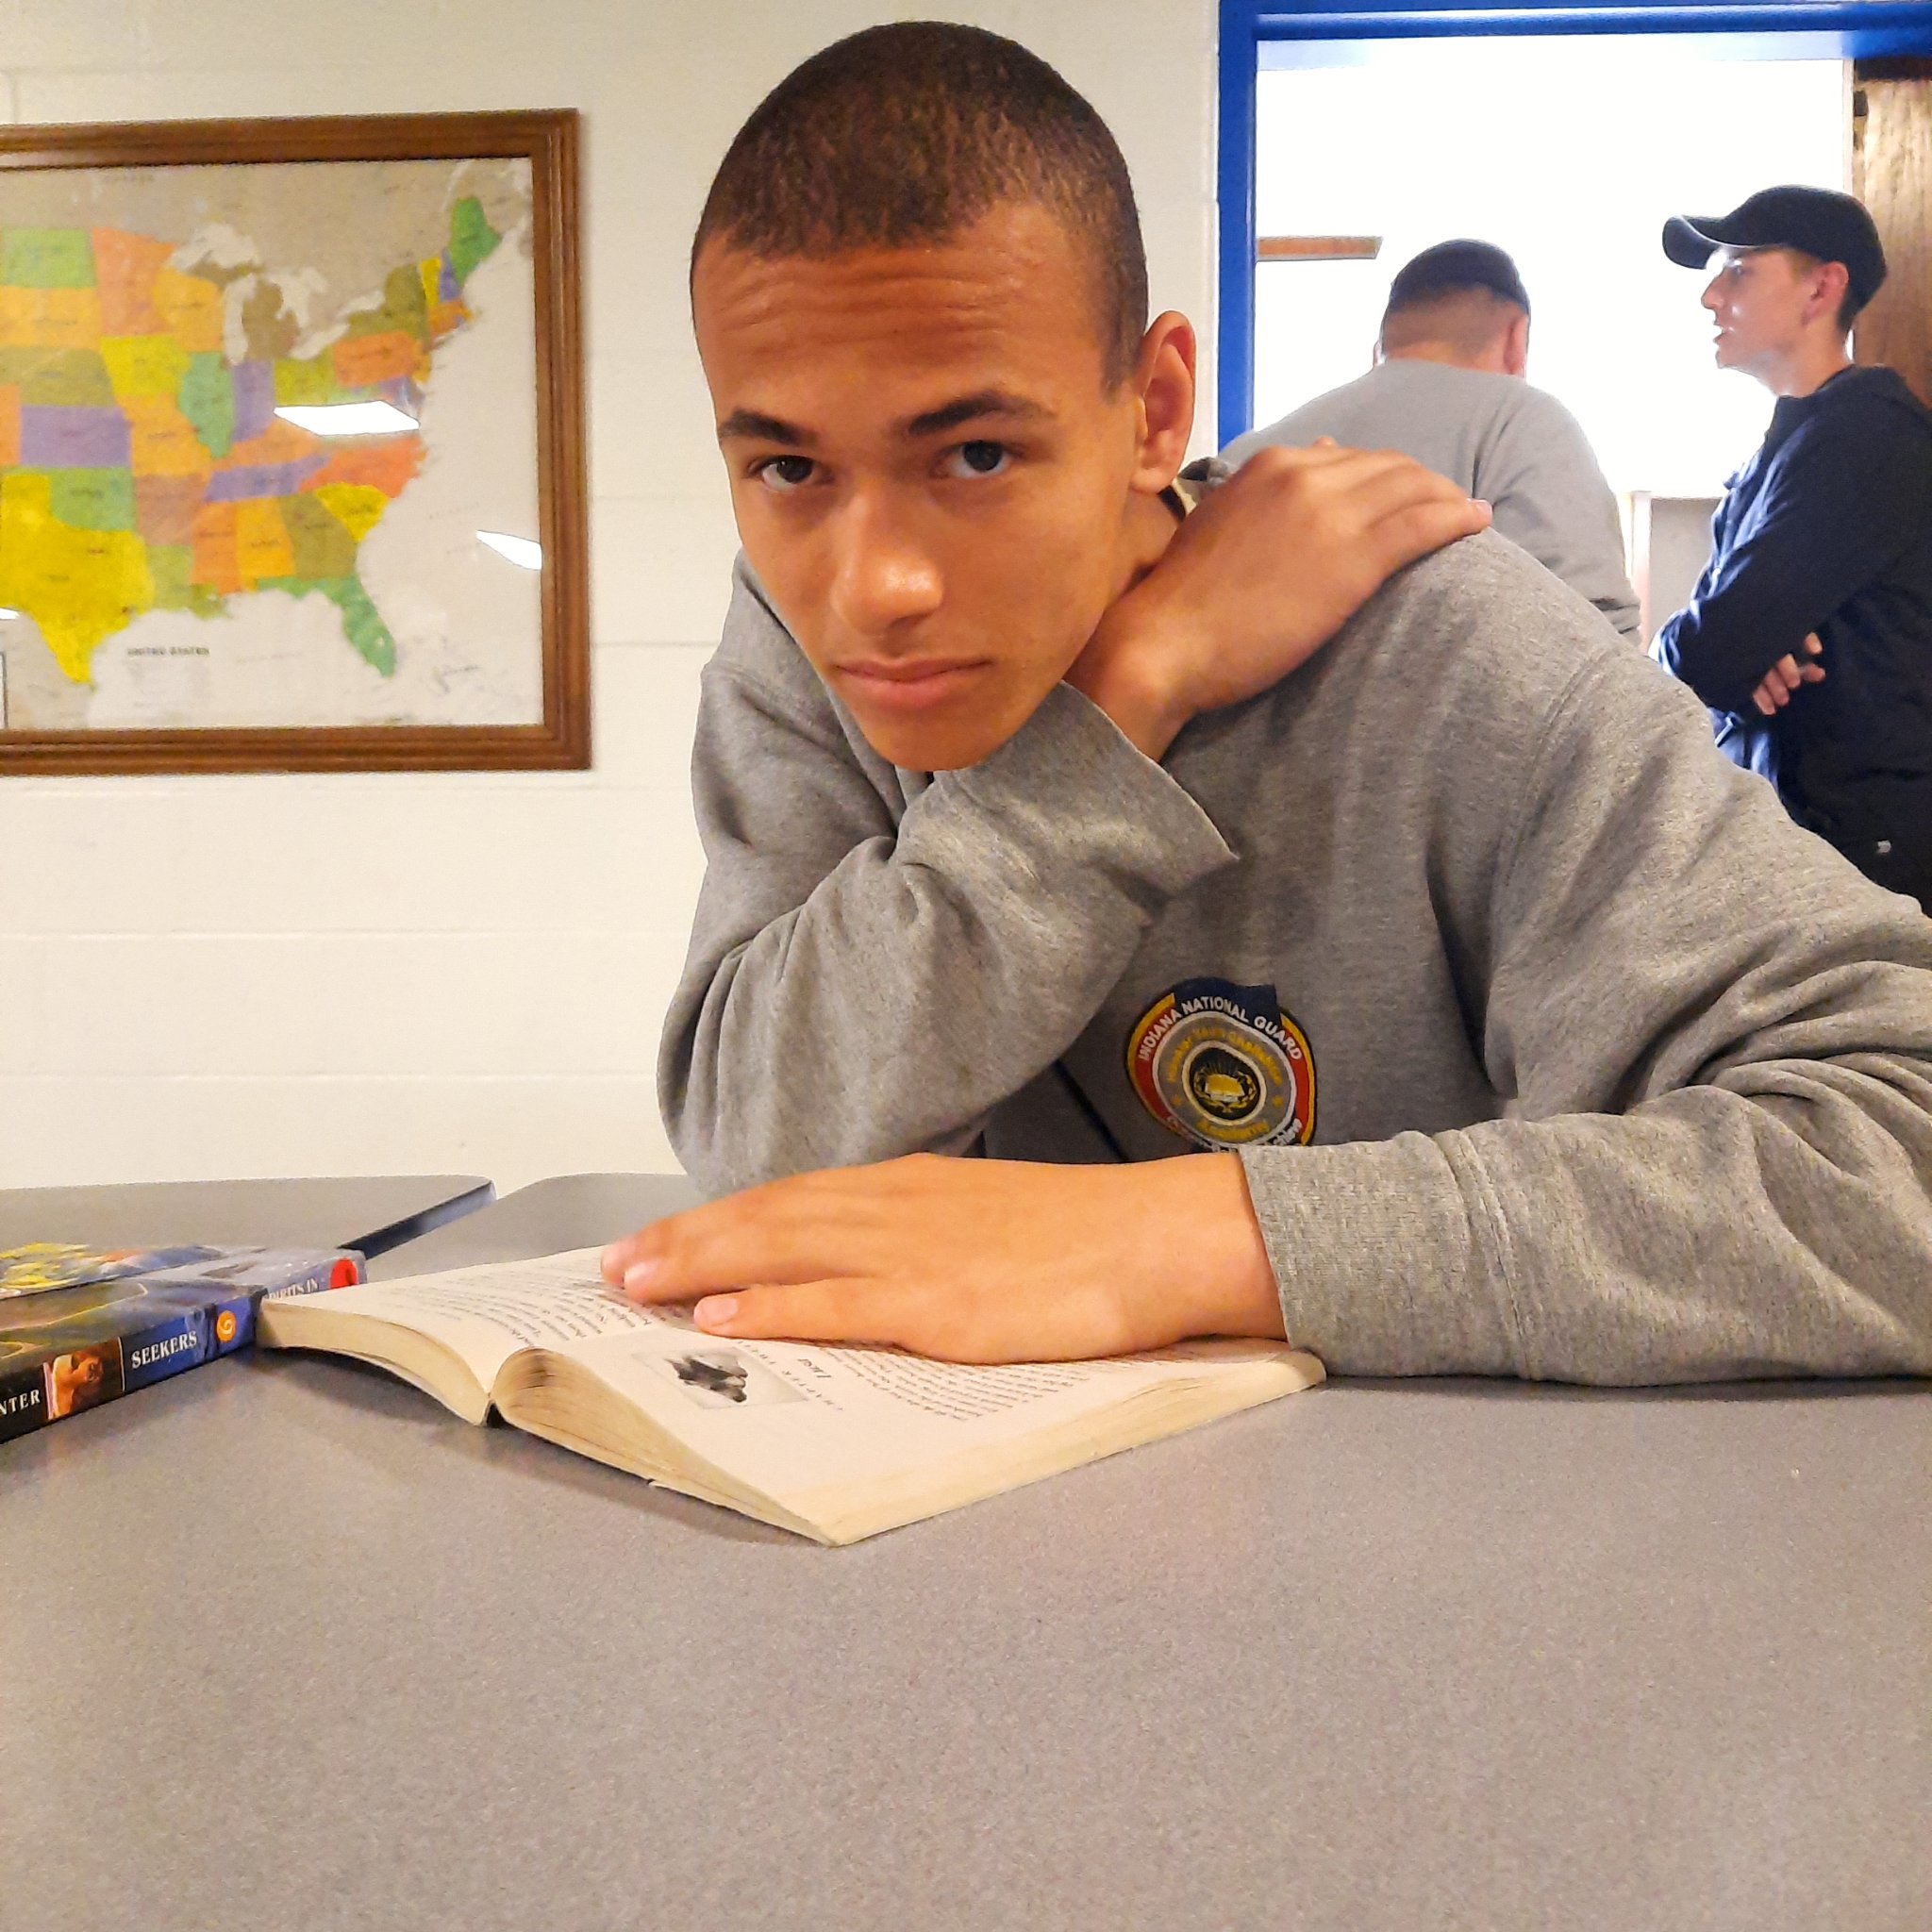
(556, 660)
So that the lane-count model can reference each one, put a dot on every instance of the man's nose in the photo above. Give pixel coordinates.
(1713, 295)
(884, 575)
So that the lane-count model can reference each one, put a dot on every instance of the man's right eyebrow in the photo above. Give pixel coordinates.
(754, 425)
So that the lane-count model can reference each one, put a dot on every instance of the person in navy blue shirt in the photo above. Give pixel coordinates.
(1810, 635)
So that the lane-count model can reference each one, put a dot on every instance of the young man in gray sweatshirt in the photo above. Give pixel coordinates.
(1449, 389)
(1038, 829)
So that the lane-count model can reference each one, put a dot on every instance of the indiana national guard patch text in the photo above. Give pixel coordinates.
(1223, 1066)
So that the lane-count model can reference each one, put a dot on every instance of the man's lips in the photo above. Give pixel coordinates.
(906, 684)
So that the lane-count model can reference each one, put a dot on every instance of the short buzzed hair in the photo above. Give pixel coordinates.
(910, 133)
(1464, 292)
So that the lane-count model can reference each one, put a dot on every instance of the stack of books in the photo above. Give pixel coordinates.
(79, 1327)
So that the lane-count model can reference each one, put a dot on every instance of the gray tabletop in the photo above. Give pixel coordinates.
(371, 1213)
(284, 1644)
(572, 1211)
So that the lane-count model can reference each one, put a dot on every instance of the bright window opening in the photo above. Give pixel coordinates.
(1570, 153)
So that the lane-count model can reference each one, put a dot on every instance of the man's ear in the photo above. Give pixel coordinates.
(1163, 385)
(1516, 346)
(1829, 281)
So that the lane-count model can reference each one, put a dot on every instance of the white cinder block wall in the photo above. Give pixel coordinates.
(238, 976)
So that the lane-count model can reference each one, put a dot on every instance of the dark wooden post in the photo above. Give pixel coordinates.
(1892, 176)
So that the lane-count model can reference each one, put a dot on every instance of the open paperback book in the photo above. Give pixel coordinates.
(835, 1444)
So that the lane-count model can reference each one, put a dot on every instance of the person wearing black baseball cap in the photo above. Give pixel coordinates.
(1809, 635)
(1447, 389)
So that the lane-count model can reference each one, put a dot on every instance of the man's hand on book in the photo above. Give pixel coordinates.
(1261, 575)
(969, 1261)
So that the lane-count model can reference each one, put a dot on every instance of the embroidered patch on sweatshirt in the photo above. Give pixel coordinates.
(1223, 1066)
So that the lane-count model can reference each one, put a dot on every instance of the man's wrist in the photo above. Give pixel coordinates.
(1123, 673)
(1225, 1278)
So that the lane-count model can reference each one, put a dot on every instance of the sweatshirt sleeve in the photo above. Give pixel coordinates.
(1838, 507)
(1541, 477)
(869, 977)
(1720, 1040)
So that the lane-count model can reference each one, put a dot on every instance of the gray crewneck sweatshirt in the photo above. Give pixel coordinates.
(1476, 850)
(1516, 447)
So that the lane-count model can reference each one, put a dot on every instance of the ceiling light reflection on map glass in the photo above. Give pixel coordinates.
(348, 419)
(523, 550)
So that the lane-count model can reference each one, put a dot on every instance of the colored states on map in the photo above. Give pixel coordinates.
(164, 508)
(212, 539)
(171, 567)
(163, 439)
(320, 543)
(142, 468)
(307, 383)
(189, 309)
(254, 383)
(262, 548)
(207, 398)
(385, 465)
(403, 311)
(78, 585)
(357, 506)
(93, 499)
(278, 462)
(47, 258)
(472, 239)
(58, 378)
(149, 365)
(363, 361)
(126, 267)
(65, 437)
(362, 622)
(36, 317)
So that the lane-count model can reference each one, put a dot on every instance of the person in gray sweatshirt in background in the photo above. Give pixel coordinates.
(1448, 389)
(1043, 826)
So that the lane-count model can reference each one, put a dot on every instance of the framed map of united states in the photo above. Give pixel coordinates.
(291, 445)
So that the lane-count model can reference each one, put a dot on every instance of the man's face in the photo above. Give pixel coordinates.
(1758, 299)
(931, 476)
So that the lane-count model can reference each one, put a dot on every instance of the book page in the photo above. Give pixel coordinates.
(486, 1313)
(791, 1418)
(838, 1441)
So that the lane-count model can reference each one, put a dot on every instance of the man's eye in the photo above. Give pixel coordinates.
(782, 473)
(979, 460)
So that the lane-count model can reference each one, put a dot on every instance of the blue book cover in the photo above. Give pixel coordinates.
(69, 1344)
(42, 1266)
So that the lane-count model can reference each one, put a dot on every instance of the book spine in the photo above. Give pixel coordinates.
(184, 1340)
(193, 1314)
(341, 1269)
(234, 1321)
(22, 1401)
(84, 1376)
(88, 1373)
(231, 1293)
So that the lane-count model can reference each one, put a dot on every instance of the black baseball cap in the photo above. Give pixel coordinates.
(1449, 268)
(1815, 221)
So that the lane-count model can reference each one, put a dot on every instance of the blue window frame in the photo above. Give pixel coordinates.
(1861, 29)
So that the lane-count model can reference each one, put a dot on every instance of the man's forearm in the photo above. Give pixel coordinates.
(928, 975)
(1722, 647)
(1707, 1235)
(971, 1261)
